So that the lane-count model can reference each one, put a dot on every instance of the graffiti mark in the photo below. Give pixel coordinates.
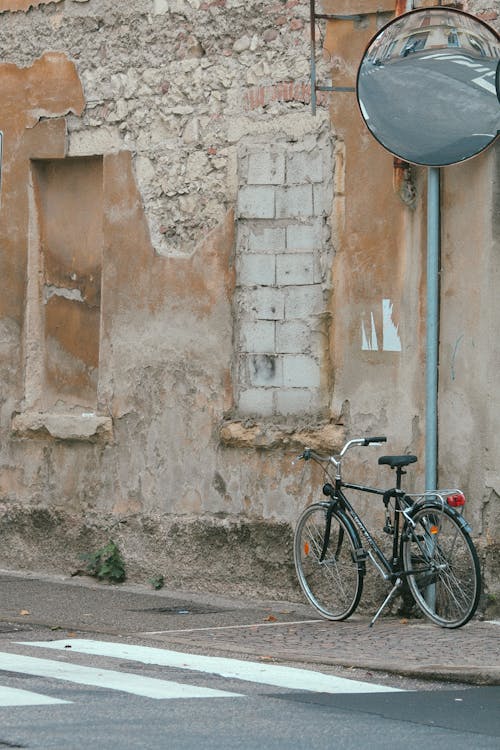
(454, 356)
(391, 341)
(369, 342)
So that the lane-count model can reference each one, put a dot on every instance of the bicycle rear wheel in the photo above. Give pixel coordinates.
(442, 565)
(333, 585)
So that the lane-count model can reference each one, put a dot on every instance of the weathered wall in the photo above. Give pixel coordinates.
(469, 385)
(379, 268)
(194, 271)
(123, 351)
(379, 284)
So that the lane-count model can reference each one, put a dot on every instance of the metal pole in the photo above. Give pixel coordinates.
(432, 345)
(312, 13)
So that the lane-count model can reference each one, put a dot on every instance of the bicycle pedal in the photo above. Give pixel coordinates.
(389, 529)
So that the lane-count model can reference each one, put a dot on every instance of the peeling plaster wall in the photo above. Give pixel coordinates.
(159, 101)
(174, 447)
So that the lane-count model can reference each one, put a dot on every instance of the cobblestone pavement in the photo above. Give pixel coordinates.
(411, 648)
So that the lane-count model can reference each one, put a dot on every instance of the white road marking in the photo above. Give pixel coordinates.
(147, 687)
(458, 59)
(16, 697)
(490, 87)
(233, 627)
(267, 674)
(461, 60)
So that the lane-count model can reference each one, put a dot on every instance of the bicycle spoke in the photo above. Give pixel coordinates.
(447, 587)
(329, 570)
(332, 585)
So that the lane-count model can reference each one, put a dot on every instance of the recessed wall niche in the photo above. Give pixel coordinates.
(65, 255)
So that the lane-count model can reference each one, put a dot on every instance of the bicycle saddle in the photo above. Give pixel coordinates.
(394, 461)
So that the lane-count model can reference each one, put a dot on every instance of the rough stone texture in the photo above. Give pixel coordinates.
(197, 553)
(63, 426)
(322, 438)
(241, 249)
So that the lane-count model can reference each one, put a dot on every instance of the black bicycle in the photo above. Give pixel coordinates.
(431, 546)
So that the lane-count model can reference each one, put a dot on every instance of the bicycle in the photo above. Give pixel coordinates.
(431, 546)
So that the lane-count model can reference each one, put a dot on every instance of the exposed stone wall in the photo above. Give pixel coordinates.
(171, 82)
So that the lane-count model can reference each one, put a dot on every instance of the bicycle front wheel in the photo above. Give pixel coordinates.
(442, 566)
(329, 577)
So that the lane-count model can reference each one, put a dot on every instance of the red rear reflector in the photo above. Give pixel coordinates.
(456, 501)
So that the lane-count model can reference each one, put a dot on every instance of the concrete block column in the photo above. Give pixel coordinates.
(283, 259)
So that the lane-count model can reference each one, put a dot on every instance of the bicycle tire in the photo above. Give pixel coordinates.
(442, 565)
(333, 585)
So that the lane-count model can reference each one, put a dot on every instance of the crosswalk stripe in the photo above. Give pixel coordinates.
(267, 674)
(147, 687)
(17, 697)
(491, 87)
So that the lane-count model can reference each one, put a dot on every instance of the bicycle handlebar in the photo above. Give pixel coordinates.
(308, 453)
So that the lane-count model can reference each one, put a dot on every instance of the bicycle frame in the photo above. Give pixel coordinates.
(386, 568)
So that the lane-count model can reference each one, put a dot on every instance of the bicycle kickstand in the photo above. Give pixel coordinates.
(392, 593)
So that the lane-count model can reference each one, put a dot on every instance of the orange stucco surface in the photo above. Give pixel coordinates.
(50, 88)
(376, 235)
(23, 5)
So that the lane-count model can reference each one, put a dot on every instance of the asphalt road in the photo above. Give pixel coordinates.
(253, 716)
(222, 673)
(431, 108)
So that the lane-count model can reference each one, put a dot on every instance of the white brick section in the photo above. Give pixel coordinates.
(294, 201)
(304, 166)
(267, 239)
(293, 401)
(304, 236)
(264, 370)
(295, 269)
(293, 337)
(300, 371)
(303, 302)
(283, 274)
(322, 268)
(257, 268)
(257, 337)
(322, 201)
(266, 168)
(256, 202)
(256, 402)
(267, 303)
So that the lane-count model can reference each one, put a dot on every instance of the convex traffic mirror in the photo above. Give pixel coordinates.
(426, 86)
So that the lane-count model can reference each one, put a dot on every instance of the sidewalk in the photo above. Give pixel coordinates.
(281, 631)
